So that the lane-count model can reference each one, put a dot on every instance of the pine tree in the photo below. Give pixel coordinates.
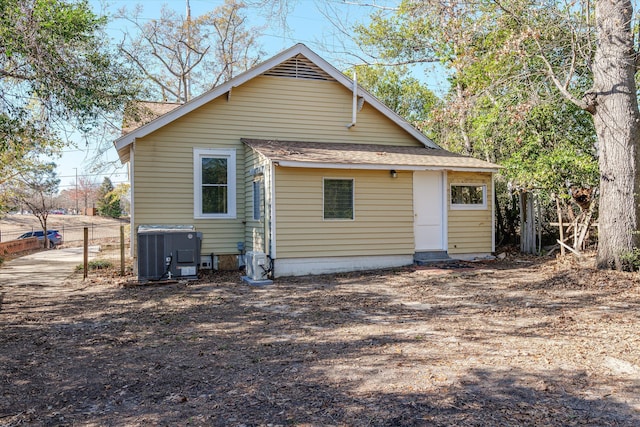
(108, 200)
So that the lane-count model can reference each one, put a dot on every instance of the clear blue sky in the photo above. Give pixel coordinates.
(306, 23)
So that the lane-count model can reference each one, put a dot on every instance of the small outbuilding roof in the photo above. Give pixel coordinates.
(139, 113)
(365, 156)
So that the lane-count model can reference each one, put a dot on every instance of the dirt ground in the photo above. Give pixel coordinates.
(517, 342)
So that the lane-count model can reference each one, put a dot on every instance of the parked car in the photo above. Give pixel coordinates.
(55, 238)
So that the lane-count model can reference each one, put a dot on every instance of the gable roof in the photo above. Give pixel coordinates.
(365, 156)
(313, 67)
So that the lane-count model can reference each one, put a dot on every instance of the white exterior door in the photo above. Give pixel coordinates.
(429, 211)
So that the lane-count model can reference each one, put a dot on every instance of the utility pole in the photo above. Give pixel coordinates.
(77, 210)
(187, 86)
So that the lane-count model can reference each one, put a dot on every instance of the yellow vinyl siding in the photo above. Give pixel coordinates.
(470, 231)
(163, 190)
(255, 236)
(383, 211)
(294, 110)
(262, 108)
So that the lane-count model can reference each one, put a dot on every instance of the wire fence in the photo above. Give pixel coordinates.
(72, 236)
(108, 245)
(109, 250)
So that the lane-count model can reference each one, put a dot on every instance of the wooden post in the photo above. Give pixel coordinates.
(570, 248)
(86, 253)
(527, 223)
(562, 251)
(586, 225)
(538, 222)
(122, 250)
(523, 221)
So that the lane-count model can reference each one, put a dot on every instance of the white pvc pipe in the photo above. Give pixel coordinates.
(355, 100)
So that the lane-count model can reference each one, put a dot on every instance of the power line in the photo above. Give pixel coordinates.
(86, 175)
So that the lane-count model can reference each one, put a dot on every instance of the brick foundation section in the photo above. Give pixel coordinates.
(15, 246)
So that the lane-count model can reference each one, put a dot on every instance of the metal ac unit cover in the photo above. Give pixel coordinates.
(256, 265)
(166, 252)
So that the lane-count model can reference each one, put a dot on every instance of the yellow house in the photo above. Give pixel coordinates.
(294, 160)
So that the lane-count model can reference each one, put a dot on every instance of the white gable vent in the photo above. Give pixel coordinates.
(299, 67)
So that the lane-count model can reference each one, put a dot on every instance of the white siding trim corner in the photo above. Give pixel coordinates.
(132, 222)
(272, 221)
(445, 210)
(493, 213)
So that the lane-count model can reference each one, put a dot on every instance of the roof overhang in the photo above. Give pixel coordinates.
(356, 166)
(316, 155)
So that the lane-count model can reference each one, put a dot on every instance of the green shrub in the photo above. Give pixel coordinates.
(630, 260)
(98, 264)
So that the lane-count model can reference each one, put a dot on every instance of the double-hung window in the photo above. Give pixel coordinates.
(214, 177)
(338, 199)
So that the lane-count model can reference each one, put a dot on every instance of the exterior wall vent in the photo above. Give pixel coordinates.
(299, 67)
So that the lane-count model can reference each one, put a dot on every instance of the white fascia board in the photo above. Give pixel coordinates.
(317, 165)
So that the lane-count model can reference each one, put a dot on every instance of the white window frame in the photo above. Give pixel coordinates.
(461, 206)
(215, 153)
(353, 198)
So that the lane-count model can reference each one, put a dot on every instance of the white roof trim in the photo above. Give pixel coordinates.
(195, 103)
(361, 166)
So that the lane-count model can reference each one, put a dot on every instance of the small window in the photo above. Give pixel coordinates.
(214, 183)
(338, 198)
(468, 196)
(256, 200)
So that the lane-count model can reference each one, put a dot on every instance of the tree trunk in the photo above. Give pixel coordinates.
(616, 119)
(527, 223)
(462, 120)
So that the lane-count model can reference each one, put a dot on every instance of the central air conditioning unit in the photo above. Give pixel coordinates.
(168, 252)
(257, 267)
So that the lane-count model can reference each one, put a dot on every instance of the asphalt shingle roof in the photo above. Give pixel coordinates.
(364, 155)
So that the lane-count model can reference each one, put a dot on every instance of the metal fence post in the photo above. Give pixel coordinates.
(86, 253)
(122, 250)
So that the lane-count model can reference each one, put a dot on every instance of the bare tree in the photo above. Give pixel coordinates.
(181, 56)
(36, 190)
